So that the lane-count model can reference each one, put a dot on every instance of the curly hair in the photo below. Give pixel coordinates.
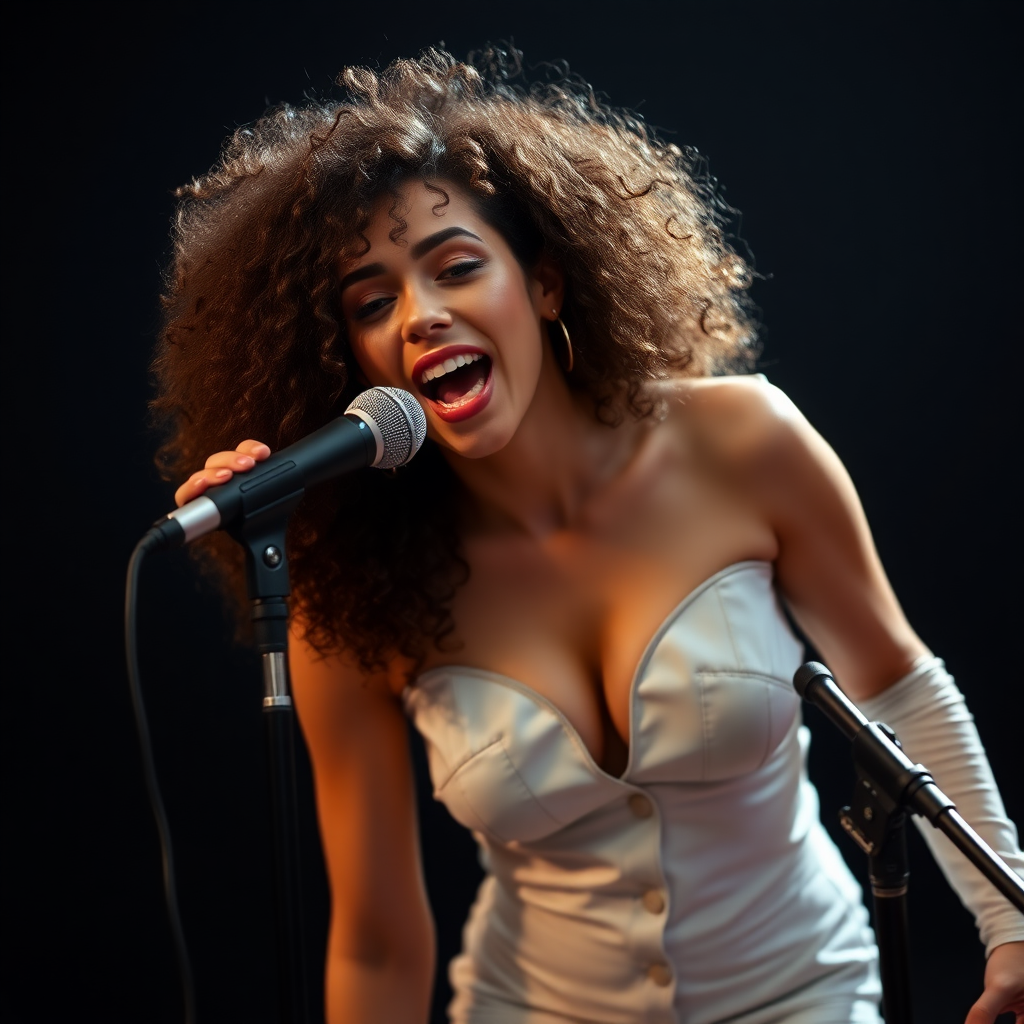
(254, 341)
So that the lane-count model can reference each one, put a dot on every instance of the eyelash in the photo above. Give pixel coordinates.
(462, 268)
(369, 308)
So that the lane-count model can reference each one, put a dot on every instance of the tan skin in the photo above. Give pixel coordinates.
(580, 540)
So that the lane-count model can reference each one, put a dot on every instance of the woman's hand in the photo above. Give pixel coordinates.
(1004, 986)
(220, 468)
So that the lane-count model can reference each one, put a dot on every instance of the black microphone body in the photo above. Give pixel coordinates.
(876, 747)
(382, 427)
(891, 782)
(814, 683)
(343, 445)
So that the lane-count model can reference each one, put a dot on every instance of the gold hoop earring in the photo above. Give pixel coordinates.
(568, 342)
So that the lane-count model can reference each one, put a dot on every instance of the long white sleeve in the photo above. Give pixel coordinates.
(928, 713)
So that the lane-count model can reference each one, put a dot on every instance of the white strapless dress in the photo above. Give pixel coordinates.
(700, 886)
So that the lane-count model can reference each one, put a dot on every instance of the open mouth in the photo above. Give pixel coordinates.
(457, 381)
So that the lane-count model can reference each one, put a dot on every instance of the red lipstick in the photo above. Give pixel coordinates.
(477, 392)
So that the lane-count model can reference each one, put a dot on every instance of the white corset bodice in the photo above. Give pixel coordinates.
(695, 887)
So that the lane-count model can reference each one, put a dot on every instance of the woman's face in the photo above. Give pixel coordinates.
(447, 313)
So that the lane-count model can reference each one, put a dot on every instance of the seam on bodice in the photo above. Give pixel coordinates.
(426, 683)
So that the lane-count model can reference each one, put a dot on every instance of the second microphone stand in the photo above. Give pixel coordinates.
(888, 785)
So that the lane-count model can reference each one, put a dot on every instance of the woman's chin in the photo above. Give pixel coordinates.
(477, 441)
(468, 446)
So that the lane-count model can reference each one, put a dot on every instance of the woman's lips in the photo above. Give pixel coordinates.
(472, 401)
(439, 355)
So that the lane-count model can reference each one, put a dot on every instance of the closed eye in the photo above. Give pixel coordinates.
(460, 269)
(367, 309)
(452, 272)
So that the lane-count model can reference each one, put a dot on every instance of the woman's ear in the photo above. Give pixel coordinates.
(547, 287)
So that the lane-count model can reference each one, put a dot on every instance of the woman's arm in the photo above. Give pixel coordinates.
(832, 579)
(930, 716)
(380, 956)
(827, 567)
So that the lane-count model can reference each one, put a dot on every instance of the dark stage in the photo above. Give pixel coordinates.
(875, 152)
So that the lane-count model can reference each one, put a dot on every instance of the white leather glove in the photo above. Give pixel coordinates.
(927, 712)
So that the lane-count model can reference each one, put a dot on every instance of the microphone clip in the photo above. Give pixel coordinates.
(874, 810)
(263, 536)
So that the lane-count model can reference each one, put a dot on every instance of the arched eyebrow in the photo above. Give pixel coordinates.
(370, 270)
(418, 251)
(424, 245)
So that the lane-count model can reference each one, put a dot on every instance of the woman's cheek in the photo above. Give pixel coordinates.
(367, 367)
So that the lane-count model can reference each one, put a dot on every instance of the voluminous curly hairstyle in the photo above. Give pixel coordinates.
(254, 342)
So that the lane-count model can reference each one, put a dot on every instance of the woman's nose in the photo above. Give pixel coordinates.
(425, 313)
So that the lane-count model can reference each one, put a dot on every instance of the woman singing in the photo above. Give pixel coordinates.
(580, 591)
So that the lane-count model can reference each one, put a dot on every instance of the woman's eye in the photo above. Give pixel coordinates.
(367, 309)
(461, 269)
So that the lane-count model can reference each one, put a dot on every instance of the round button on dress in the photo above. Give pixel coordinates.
(653, 901)
(660, 974)
(640, 806)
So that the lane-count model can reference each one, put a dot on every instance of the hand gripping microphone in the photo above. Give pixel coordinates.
(382, 427)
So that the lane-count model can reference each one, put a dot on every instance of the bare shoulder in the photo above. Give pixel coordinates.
(752, 434)
(827, 568)
(335, 694)
(341, 669)
(740, 423)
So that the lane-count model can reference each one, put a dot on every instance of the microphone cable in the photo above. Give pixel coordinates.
(398, 427)
(148, 543)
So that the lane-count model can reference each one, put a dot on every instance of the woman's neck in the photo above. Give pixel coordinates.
(560, 455)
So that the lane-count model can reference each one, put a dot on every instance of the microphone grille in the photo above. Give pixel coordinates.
(398, 421)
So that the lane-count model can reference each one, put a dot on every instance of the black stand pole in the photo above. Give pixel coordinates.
(263, 537)
(257, 507)
(888, 785)
(877, 824)
(889, 879)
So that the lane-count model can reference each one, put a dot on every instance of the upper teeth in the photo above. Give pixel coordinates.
(440, 369)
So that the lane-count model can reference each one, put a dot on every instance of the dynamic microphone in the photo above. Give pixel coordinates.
(382, 427)
(814, 683)
(876, 748)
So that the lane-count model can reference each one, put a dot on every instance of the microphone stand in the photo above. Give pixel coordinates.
(888, 785)
(262, 535)
(256, 507)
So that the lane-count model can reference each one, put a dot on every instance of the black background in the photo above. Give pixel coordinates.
(875, 151)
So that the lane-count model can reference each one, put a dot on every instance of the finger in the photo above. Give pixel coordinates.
(199, 482)
(219, 469)
(254, 449)
(236, 461)
(983, 1011)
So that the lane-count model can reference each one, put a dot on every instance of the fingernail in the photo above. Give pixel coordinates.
(222, 474)
(245, 462)
(263, 449)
